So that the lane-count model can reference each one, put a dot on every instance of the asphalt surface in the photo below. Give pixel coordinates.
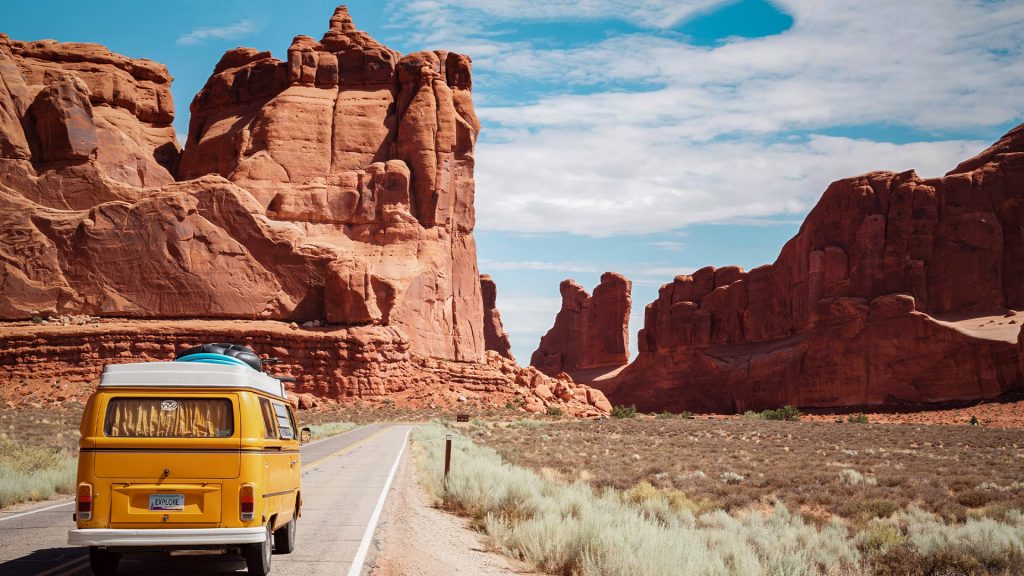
(344, 482)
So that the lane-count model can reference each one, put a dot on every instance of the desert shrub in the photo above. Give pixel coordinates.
(624, 411)
(731, 478)
(975, 498)
(34, 472)
(328, 429)
(751, 415)
(554, 411)
(510, 406)
(665, 415)
(858, 418)
(877, 507)
(37, 319)
(879, 538)
(853, 478)
(787, 413)
(686, 415)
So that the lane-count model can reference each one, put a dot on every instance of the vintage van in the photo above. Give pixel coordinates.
(197, 454)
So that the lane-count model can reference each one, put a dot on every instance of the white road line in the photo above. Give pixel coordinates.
(364, 545)
(13, 516)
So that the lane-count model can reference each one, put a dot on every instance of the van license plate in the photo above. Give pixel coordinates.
(166, 502)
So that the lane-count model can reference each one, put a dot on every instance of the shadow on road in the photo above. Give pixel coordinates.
(75, 561)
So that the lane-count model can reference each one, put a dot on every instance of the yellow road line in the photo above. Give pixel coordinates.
(344, 450)
(80, 560)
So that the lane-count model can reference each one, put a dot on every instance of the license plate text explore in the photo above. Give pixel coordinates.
(166, 502)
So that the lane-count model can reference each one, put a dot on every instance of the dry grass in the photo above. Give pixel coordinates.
(857, 472)
(577, 529)
(38, 453)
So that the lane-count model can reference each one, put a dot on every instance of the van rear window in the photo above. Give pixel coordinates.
(169, 418)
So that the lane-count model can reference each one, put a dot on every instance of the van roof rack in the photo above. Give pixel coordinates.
(191, 374)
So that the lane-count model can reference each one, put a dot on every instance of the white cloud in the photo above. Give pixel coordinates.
(486, 264)
(662, 133)
(603, 181)
(670, 245)
(229, 32)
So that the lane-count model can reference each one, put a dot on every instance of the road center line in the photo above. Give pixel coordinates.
(364, 545)
(344, 450)
(55, 506)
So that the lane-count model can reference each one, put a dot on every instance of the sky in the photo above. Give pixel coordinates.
(650, 138)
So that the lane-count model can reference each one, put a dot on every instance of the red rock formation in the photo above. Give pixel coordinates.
(851, 312)
(495, 337)
(335, 186)
(589, 331)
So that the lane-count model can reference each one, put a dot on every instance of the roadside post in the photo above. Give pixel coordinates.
(447, 456)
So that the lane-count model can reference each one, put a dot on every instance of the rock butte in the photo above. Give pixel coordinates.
(334, 188)
(894, 291)
(495, 337)
(590, 332)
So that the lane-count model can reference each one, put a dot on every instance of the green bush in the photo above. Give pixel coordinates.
(554, 411)
(879, 538)
(858, 418)
(37, 319)
(665, 415)
(878, 507)
(686, 415)
(624, 411)
(510, 406)
(787, 413)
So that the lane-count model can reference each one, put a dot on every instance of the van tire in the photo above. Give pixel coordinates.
(257, 556)
(103, 562)
(284, 538)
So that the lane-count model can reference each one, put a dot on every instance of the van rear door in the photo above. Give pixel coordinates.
(165, 455)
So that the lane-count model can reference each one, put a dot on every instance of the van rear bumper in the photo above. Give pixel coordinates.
(165, 538)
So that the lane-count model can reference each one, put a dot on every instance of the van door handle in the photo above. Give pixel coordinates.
(293, 462)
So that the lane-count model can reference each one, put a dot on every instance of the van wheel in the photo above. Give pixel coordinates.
(257, 556)
(103, 562)
(284, 538)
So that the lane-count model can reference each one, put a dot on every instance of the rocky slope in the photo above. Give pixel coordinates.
(883, 297)
(334, 188)
(590, 331)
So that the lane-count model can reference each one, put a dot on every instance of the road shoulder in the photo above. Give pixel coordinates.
(415, 539)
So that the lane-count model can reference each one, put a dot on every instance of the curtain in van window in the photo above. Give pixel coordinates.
(169, 418)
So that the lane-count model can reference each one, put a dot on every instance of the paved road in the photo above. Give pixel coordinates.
(343, 483)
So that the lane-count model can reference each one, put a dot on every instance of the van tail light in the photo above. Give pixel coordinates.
(247, 502)
(84, 501)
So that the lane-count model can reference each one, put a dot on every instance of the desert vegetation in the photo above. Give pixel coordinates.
(38, 453)
(664, 496)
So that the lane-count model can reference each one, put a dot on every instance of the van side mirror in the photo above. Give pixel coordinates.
(304, 435)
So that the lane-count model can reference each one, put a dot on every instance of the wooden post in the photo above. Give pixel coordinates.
(447, 456)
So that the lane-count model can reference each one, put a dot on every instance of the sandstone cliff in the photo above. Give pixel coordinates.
(893, 291)
(337, 186)
(589, 331)
(333, 190)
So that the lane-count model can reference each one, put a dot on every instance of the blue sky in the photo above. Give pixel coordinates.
(646, 137)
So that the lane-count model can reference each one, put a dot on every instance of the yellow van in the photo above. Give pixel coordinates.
(197, 454)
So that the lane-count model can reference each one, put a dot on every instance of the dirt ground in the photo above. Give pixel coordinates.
(415, 539)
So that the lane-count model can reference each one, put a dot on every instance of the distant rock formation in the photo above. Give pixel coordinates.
(589, 331)
(892, 292)
(495, 337)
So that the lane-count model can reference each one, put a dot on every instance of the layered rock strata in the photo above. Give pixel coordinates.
(887, 295)
(495, 337)
(46, 364)
(589, 331)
